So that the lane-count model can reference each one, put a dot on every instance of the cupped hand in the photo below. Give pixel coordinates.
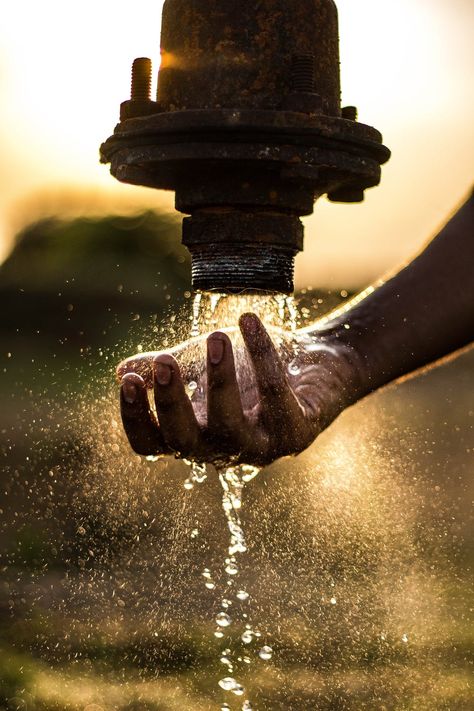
(274, 403)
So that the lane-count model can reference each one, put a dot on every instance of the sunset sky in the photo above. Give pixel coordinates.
(407, 64)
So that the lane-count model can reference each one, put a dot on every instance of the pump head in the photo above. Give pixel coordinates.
(247, 129)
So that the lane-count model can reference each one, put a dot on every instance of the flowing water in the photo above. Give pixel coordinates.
(211, 312)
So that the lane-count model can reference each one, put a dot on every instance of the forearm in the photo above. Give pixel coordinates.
(418, 316)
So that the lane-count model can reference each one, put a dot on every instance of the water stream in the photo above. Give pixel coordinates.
(241, 638)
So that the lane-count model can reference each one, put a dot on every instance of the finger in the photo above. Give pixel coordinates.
(141, 364)
(279, 405)
(225, 416)
(138, 420)
(178, 422)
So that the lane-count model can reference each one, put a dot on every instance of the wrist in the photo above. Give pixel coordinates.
(343, 361)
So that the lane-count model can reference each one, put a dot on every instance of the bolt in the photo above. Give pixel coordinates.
(141, 79)
(349, 112)
(140, 103)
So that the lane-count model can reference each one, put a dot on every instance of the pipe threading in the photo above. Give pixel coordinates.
(141, 79)
(302, 73)
(234, 268)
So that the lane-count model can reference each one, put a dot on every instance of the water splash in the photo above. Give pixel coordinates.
(198, 474)
(280, 315)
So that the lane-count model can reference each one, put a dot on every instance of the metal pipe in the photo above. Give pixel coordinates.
(248, 130)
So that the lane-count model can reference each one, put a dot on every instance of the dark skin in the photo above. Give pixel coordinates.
(420, 315)
(285, 416)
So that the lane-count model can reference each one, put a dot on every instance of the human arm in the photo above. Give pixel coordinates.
(421, 314)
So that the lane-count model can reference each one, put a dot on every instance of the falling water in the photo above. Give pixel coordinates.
(279, 312)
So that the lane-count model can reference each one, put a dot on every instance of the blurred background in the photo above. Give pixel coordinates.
(102, 605)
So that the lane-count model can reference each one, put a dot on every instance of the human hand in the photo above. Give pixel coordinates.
(251, 406)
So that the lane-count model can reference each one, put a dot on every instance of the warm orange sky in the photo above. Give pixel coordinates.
(407, 65)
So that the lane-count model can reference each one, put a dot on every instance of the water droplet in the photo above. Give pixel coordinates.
(206, 573)
(231, 568)
(238, 690)
(228, 683)
(192, 386)
(249, 472)
(226, 603)
(265, 653)
(223, 619)
(405, 638)
(235, 529)
(188, 485)
(210, 585)
(247, 637)
(247, 706)
(247, 660)
(225, 707)
(219, 634)
(238, 547)
(333, 601)
(243, 595)
(294, 368)
(195, 533)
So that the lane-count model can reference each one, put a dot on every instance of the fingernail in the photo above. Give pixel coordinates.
(163, 373)
(216, 350)
(130, 391)
(250, 323)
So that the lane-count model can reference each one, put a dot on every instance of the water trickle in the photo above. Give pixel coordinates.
(198, 475)
(196, 326)
(217, 311)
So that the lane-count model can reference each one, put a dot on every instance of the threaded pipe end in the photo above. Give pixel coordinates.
(233, 268)
(302, 73)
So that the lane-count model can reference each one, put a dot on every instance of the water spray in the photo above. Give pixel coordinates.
(248, 130)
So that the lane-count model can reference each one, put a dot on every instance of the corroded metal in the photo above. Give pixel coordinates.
(248, 130)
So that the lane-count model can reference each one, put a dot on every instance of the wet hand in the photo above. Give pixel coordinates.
(276, 408)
